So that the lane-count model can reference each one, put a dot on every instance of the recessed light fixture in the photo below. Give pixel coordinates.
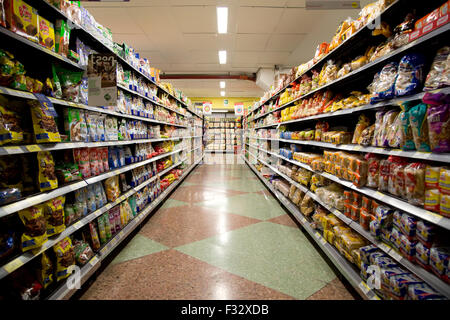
(222, 93)
(222, 84)
(222, 19)
(222, 57)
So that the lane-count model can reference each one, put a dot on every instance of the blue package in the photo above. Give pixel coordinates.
(399, 284)
(422, 291)
(384, 83)
(121, 156)
(410, 74)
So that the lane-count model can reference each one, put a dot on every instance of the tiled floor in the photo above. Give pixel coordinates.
(221, 235)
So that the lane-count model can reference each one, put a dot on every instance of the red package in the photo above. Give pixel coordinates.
(81, 156)
(93, 160)
(364, 219)
(101, 168)
(354, 213)
(105, 159)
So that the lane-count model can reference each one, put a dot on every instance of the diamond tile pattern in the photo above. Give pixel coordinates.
(221, 235)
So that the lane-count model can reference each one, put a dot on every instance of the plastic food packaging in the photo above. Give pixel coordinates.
(410, 74)
(47, 176)
(45, 272)
(95, 241)
(80, 205)
(415, 183)
(373, 172)
(378, 128)
(438, 76)
(44, 124)
(432, 200)
(406, 135)
(65, 257)
(83, 252)
(81, 156)
(362, 124)
(444, 207)
(35, 233)
(439, 257)
(422, 256)
(112, 188)
(438, 118)
(384, 83)
(419, 126)
(384, 174)
(444, 180)
(425, 233)
(90, 200)
(422, 291)
(10, 130)
(54, 215)
(396, 184)
(399, 285)
(432, 177)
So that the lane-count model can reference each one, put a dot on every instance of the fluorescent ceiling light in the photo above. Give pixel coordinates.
(222, 19)
(222, 84)
(222, 93)
(222, 57)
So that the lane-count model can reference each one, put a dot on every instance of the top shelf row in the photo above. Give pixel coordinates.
(68, 22)
(354, 37)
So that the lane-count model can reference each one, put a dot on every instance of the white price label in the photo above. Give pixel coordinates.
(364, 287)
(93, 261)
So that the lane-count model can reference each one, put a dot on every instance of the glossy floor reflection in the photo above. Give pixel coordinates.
(221, 235)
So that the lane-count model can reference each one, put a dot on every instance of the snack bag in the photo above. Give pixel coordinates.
(62, 37)
(47, 176)
(90, 200)
(46, 33)
(438, 76)
(410, 74)
(44, 124)
(35, 227)
(70, 83)
(94, 236)
(21, 18)
(45, 272)
(80, 205)
(10, 130)
(72, 124)
(83, 252)
(438, 118)
(65, 257)
(81, 156)
(69, 214)
(54, 214)
(419, 126)
(93, 160)
(112, 188)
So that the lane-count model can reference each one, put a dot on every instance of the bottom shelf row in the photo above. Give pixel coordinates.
(57, 273)
(359, 262)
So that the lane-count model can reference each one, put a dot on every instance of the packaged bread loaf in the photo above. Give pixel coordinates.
(419, 127)
(438, 118)
(415, 183)
(432, 177)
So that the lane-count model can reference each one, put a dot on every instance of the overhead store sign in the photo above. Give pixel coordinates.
(207, 107)
(239, 109)
(331, 5)
(225, 102)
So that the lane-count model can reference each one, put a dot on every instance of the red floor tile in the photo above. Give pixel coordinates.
(284, 220)
(171, 275)
(334, 290)
(177, 226)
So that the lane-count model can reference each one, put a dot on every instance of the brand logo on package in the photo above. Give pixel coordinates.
(239, 109)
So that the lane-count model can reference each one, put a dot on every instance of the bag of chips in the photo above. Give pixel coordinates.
(65, 257)
(80, 205)
(10, 130)
(44, 124)
(47, 176)
(83, 252)
(54, 214)
(112, 188)
(35, 227)
(95, 241)
(45, 272)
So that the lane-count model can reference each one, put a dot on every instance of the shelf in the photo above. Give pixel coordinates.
(41, 49)
(428, 277)
(390, 102)
(45, 196)
(64, 292)
(343, 265)
(390, 200)
(22, 149)
(29, 95)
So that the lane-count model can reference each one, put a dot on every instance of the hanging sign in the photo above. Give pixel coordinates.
(207, 107)
(225, 103)
(238, 109)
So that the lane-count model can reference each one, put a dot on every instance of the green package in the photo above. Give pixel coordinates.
(419, 127)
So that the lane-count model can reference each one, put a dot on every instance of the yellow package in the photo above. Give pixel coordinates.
(444, 181)
(54, 215)
(45, 274)
(44, 124)
(352, 241)
(10, 130)
(329, 236)
(35, 228)
(348, 256)
(112, 188)
(65, 257)
(444, 208)
(47, 176)
(432, 177)
(356, 255)
(46, 33)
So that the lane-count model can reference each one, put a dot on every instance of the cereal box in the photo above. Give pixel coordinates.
(22, 19)
(46, 33)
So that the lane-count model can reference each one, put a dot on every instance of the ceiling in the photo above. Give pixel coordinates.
(180, 37)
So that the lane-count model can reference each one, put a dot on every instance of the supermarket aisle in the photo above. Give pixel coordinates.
(219, 236)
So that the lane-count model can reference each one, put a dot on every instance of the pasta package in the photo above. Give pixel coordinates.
(44, 124)
(65, 257)
(35, 227)
(54, 215)
(47, 176)
(419, 126)
(438, 118)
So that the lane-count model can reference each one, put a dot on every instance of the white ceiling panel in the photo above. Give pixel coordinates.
(155, 57)
(258, 20)
(195, 18)
(274, 57)
(140, 42)
(263, 3)
(284, 42)
(117, 19)
(251, 42)
(245, 57)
